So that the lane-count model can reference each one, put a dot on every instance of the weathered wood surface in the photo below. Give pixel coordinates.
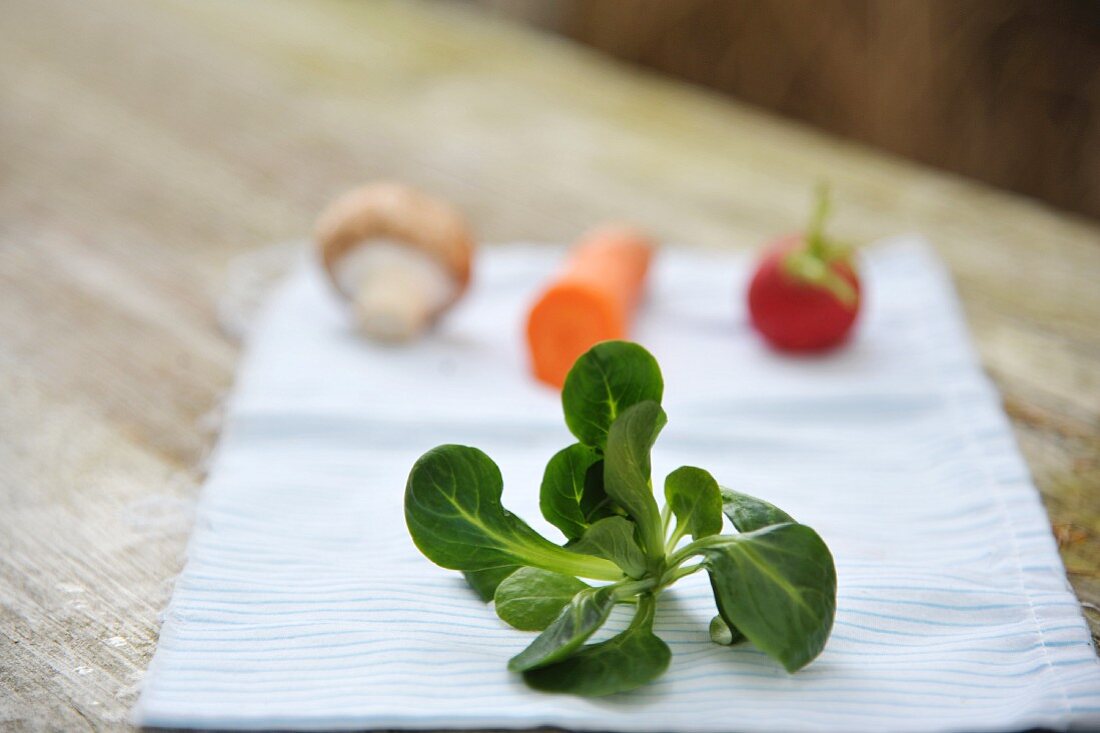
(143, 145)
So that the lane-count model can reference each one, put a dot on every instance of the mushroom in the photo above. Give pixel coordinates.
(399, 256)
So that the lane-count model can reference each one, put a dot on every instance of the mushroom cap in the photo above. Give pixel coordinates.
(395, 212)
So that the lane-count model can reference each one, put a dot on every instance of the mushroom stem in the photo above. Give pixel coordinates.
(396, 290)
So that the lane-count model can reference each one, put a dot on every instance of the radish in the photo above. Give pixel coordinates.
(805, 295)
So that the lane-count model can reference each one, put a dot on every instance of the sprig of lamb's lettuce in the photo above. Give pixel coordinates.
(774, 581)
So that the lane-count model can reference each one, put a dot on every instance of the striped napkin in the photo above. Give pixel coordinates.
(305, 605)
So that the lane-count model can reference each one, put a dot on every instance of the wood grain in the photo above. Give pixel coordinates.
(144, 145)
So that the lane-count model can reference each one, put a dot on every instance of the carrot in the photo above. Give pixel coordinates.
(593, 299)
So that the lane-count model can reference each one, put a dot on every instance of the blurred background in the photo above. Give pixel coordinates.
(1003, 91)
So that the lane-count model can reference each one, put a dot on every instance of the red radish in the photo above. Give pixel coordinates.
(805, 295)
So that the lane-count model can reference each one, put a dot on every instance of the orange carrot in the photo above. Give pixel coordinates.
(593, 299)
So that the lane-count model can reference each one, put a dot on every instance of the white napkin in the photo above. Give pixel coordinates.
(305, 605)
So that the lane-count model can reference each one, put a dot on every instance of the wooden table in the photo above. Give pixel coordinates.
(143, 145)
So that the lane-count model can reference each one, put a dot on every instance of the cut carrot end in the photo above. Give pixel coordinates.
(565, 322)
(593, 299)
